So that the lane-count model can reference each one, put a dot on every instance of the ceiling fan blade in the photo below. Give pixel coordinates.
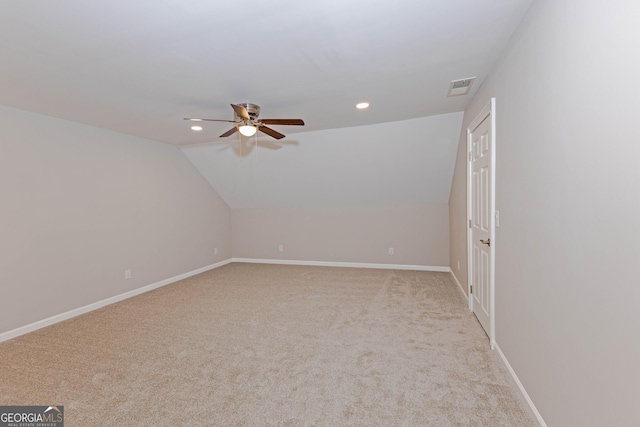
(270, 132)
(240, 111)
(296, 122)
(229, 132)
(208, 120)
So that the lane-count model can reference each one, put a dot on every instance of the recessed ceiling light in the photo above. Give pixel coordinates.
(362, 105)
(196, 128)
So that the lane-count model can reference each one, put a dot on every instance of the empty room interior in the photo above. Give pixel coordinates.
(201, 224)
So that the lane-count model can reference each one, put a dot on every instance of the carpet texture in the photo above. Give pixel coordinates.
(271, 345)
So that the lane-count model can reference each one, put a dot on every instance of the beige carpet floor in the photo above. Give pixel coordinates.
(269, 345)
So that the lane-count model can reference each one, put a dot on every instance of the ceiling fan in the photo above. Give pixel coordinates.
(247, 122)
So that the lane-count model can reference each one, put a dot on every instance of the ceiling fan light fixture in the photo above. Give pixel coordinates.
(247, 130)
(362, 105)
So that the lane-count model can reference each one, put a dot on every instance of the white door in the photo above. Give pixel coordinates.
(481, 235)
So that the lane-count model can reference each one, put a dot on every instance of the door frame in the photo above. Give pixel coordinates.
(488, 110)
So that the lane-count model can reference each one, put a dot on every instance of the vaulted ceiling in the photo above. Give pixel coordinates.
(406, 162)
(140, 66)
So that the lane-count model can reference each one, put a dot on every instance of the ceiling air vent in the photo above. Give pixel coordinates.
(460, 87)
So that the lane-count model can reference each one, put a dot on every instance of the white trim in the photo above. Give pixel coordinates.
(96, 305)
(494, 242)
(344, 264)
(536, 413)
(459, 285)
(468, 222)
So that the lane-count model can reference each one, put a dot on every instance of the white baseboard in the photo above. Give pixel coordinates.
(460, 286)
(521, 387)
(96, 305)
(343, 264)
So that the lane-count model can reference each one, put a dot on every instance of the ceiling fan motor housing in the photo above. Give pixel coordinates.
(252, 109)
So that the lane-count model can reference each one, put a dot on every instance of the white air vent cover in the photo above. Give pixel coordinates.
(460, 87)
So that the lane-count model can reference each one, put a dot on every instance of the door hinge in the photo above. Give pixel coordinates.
(469, 223)
(470, 156)
(471, 289)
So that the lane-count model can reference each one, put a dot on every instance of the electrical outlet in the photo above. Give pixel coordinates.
(127, 274)
(390, 251)
(215, 251)
(281, 248)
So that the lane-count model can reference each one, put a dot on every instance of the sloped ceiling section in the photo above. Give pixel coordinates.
(398, 163)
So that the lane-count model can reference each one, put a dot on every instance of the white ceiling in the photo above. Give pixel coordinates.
(140, 66)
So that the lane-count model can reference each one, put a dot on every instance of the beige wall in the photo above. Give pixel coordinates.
(418, 234)
(458, 213)
(79, 205)
(568, 192)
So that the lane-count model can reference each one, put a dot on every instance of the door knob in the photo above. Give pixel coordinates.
(486, 242)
